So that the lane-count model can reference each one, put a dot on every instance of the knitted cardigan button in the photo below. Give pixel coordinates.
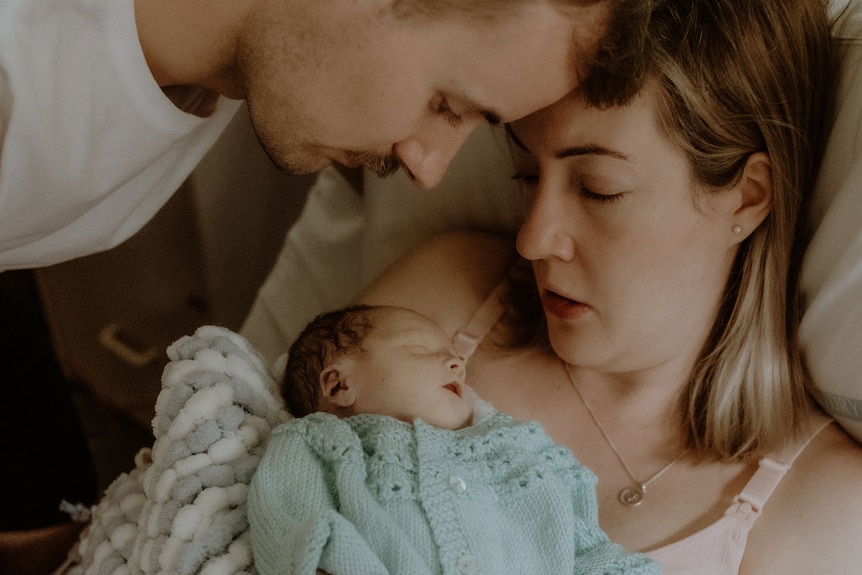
(467, 565)
(457, 484)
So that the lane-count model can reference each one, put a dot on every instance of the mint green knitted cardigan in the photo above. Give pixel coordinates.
(374, 495)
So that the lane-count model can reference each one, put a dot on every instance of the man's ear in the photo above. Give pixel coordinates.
(334, 389)
(755, 195)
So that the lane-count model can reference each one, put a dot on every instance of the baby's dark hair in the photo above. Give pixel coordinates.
(326, 337)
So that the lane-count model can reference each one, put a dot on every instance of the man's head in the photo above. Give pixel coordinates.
(389, 83)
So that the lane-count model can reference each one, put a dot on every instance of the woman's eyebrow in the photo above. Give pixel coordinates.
(590, 150)
(587, 150)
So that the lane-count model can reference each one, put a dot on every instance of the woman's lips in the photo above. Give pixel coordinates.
(562, 307)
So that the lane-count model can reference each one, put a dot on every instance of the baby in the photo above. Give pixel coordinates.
(385, 360)
(386, 469)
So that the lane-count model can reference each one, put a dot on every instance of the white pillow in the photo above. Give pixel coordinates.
(831, 330)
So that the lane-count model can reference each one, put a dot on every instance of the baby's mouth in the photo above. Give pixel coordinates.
(454, 387)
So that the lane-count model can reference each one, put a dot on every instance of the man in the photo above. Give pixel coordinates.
(106, 106)
(92, 147)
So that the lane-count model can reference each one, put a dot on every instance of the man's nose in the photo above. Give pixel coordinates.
(426, 156)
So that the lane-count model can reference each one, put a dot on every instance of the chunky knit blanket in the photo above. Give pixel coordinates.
(182, 509)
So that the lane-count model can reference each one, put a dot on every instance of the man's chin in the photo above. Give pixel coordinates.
(294, 166)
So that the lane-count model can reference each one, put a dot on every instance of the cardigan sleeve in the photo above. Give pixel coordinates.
(294, 521)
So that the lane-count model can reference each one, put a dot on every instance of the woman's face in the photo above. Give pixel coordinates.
(630, 256)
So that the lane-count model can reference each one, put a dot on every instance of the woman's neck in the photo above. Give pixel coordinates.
(639, 409)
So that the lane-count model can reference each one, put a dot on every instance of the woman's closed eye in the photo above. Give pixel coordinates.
(529, 180)
(598, 197)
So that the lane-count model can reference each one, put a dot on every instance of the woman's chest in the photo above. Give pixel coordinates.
(689, 498)
(685, 498)
(528, 385)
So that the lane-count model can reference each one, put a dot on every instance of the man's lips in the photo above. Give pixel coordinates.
(562, 307)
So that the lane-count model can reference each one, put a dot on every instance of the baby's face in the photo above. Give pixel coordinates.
(410, 370)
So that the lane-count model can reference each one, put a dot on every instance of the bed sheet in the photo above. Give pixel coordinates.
(831, 329)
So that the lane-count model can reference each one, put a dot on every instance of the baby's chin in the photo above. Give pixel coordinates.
(465, 419)
(452, 420)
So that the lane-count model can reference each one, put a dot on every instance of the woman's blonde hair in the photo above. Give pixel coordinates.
(737, 77)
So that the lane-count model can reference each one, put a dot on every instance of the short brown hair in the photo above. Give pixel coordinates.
(615, 71)
(328, 336)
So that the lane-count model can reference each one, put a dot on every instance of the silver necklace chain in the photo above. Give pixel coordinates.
(633, 495)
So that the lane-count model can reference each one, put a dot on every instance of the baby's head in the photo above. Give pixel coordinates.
(377, 359)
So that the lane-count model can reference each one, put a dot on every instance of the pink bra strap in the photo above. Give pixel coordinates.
(763, 483)
(773, 468)
(471, 335)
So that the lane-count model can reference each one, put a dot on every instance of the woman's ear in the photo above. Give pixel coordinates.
(334, 390)
(755, 195)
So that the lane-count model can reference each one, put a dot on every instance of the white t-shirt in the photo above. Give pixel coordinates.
(91, 147)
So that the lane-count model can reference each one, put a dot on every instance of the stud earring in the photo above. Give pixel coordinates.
(737, 229)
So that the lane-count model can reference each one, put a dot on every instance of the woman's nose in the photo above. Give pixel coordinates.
(426, 156)
(544, 233)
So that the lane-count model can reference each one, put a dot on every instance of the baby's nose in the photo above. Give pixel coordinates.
(457, 364)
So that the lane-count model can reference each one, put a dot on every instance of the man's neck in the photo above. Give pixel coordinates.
(190, 44)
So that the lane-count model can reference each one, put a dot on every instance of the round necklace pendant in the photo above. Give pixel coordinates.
(631, 496)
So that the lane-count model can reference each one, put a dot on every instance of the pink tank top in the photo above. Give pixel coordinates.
(718, 548)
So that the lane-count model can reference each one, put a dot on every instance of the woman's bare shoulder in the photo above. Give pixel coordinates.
(814, 519)
(446, 277)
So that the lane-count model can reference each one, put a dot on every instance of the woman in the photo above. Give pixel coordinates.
(663, 240)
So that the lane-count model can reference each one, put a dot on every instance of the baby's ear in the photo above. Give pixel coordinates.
(334, 390)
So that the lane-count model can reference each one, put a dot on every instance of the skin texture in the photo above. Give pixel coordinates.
(409, 369)
(621, 252)
(348, 82)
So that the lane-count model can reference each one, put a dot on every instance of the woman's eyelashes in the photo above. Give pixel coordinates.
(529, 181)
(598, 197)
